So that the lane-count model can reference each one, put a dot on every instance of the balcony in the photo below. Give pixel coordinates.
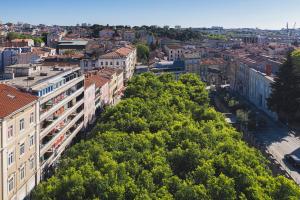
(61, 130)
(51, 122)
(67, 86)
(52, 105)
(52, 154)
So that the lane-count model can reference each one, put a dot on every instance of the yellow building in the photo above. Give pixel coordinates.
(18, 143)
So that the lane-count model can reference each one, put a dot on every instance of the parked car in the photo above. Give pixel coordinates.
(293, 159)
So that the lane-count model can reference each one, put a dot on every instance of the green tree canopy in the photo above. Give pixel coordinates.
(285, 96)
(164, 141)
(143, 52)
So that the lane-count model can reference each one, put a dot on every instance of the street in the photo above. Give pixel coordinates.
(279, 141)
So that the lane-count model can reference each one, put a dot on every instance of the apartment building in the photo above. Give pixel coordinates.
(124, 58)
(129, 36)
(22, 43)
(192, 62)
(60, 92)
(106, 34)
(260, 90)
(18, 143)
(174, 52)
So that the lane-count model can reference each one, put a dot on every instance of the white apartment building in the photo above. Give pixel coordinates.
(124, 58)
(60, 92)
(18, 143)
(260, 89)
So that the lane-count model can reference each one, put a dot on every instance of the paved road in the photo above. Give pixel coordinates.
(279, 141)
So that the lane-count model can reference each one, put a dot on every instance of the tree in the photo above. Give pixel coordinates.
(164, 141)
(12, 35)
(285, 95)
(143, 53)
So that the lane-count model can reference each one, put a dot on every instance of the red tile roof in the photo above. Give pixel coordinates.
(12, 99)
(95, 78)
(119, 53)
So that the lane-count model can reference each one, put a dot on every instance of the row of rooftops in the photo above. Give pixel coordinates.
(119, 53)
(100, 76)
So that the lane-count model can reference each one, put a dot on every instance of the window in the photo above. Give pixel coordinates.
(22, 149)
(10, 158)
(31, 163)
(31, 140)
(10, 132)
(22, 124)
(106, 63)
(101, 63)
(111, 63)
(31, 118)
(117, 63)
(11, 183)
(22, 172)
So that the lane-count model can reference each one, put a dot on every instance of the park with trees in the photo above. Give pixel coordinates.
(164, 141)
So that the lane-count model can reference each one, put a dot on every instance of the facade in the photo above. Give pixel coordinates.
(192, 62)
(129, 36)
(1, 61)
(23, 55)
(19, 143)
(73, 45)
(174, 52)
(60, 92)
(213, 70)
(124, 58)
(89, 103)
(106, 34)
(22, 43)
(260, 90)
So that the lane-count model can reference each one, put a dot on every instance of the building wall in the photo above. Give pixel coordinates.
(59, 122)
(89, 105)
(1, 61)
(260, 90)
(127, 64)
(174, 54)
(27, 160)
(104, 95)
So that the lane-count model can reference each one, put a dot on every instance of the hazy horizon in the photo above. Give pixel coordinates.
(267, 14)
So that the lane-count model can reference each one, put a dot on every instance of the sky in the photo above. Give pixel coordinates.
(264, 14)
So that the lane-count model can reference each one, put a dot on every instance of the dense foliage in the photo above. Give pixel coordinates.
(285, 97)
(143, 52)
(37, 40)
(164, 141)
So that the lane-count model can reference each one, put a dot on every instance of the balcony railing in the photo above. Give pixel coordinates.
(48, 125)
(66, 87)
(49, 140)
(53, 154)
(53, 106)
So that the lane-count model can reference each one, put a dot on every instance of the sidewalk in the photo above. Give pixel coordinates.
(274, 141)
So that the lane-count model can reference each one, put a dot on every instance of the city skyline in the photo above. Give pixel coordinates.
(192, 13)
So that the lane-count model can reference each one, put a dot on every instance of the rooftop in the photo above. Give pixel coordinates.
(16, 99)
(119, 53)
(73, 42)
(40, 79)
